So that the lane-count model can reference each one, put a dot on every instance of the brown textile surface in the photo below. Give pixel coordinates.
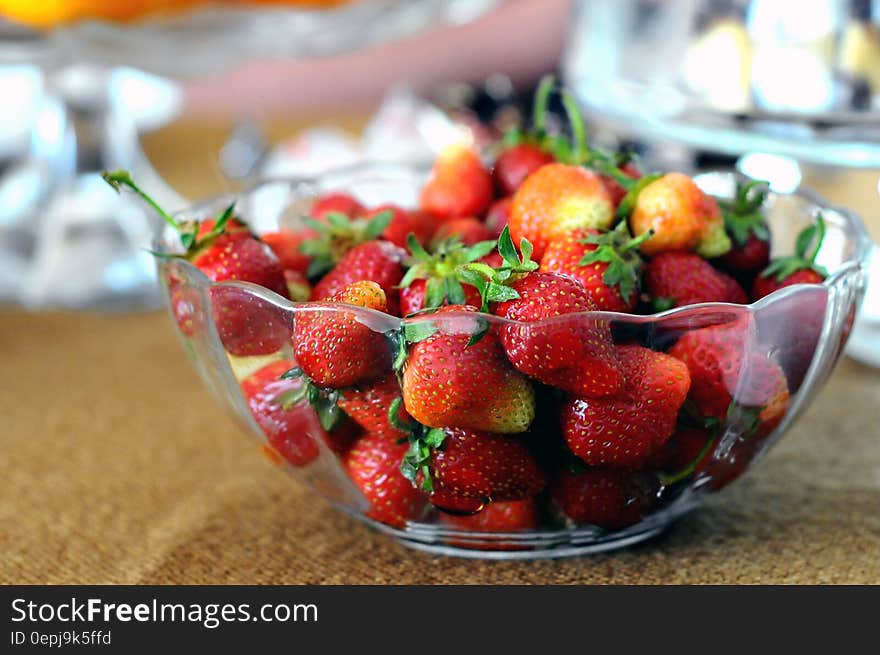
(117, 467)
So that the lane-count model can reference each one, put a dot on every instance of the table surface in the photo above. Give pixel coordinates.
(118, 467)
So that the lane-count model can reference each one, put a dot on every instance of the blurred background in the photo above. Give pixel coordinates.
(199, 98)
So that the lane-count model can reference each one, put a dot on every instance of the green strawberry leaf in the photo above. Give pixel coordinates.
(807, 245)
(482, 329)
(479, 250)
(455, 292)
(435, 293)
(418, 331)
(377, 224)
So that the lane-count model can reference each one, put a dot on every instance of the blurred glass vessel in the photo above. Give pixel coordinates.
(801, 330)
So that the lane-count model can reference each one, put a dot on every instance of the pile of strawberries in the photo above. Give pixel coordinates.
(501, 402)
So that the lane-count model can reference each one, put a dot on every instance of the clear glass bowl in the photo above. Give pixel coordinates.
(800, 330)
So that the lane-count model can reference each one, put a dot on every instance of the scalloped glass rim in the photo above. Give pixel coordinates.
(204, 208)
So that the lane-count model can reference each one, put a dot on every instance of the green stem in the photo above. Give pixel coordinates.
(539, 108)
(116, 179)
(578, 130)
(820, 237)
(669, 479)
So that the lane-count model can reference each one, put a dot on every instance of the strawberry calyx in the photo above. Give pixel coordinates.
(442, 269)
(336, 235)
(743, 215)
(188, 230)
(423, 441)
(494, 283)
(323, 401)
(807, 246)
(620, 250)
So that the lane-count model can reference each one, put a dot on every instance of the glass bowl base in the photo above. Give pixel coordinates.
(612, 542)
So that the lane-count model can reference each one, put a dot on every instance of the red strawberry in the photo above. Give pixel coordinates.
(333, 348)
(799, 268)
(291, 428)
(555, 200)
(504, 516)
(337, 203)
(405, 222)
(575, 354)
(606, 263)
(747, 258)
(678, 278)
(746, 226)
(726, 366)
(367, 404)
(624, 430)
(435, 279)
(246, 324)
(498, 215)
(471, 464)
(681, 216)
(373, 463)
(510, 516)
(469, 231)
(606, 498)
(515, 164)
(458, 376)
(376, 261)
(413, 297)
(459, 185)
(681, 451)
(286, 246)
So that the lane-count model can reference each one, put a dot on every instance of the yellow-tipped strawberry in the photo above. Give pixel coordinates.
(459, 185)
(681, 216)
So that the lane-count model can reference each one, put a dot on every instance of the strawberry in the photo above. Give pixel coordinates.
(459, 185)
(610, 499)
(498, 215)
(800, 268)
(469, 231)
(555, 200)
(337, 235)
(687, 448)
(470, 465)
(456, 374)
(525, 151)
(726, 367)
(336, 203)
(606, 263)
(404, 222)
(286, 246)
(747, 228)
(623, 430)
(367, 403)
(435, 279)
(373, 464)
(414, 298)
(575, 354)
(247, 325)
(333, 348)
(676, 278)
(681, 216)
(376, 261)
(290, 427)
(502, 516)
(515, 164)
